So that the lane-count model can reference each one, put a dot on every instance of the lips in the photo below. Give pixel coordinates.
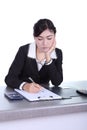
(45, 48)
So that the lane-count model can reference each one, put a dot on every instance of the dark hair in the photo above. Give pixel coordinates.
(42, 25)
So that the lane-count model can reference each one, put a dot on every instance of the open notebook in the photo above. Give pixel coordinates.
(44, 94)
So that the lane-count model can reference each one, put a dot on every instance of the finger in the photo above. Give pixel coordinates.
(35, 89)
(37, 85)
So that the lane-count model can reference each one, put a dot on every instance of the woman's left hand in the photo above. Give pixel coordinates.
(47, 54)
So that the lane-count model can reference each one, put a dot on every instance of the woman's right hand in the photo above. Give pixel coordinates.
(32, 87)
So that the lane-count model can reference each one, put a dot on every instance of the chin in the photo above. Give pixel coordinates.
(45, 50)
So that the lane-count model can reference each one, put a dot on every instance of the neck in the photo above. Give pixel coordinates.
(40, 55)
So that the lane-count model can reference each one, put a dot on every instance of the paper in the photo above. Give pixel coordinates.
(44, 94)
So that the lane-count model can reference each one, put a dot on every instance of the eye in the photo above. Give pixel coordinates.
(40, 39)
(49, 38)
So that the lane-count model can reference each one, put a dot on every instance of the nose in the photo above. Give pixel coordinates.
(44, 42)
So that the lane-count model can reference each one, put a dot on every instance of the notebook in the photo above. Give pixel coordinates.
(43, 94)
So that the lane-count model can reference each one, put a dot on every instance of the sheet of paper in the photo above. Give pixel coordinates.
(44, 94)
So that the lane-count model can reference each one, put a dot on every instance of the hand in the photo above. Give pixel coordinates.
(52, 47)
(47, 54)
(32, 87)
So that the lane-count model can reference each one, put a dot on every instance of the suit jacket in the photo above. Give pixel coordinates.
(24, 67)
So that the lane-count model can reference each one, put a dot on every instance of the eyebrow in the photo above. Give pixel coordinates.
(46, 36)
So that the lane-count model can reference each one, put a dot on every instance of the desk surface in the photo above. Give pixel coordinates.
(72, 103)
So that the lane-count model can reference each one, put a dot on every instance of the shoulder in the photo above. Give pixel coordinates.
(24, 48)
(58, 51)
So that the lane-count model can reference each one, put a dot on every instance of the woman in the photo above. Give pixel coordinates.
(39, 62)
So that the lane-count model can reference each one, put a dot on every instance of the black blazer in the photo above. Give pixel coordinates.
(24, 67)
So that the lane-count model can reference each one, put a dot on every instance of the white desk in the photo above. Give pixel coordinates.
(70, 114)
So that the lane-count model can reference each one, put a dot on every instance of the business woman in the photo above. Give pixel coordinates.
(39, 62)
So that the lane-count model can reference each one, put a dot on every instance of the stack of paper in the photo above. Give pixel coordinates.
(44, 94)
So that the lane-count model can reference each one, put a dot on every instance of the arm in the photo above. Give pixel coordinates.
(55, 69)
(13, 77)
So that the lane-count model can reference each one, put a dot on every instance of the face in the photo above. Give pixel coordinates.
(45, 40)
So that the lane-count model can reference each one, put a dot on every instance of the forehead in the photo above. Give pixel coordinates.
(47, 32)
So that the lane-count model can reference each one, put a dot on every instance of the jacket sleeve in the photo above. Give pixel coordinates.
(13, 77)
(55, 71)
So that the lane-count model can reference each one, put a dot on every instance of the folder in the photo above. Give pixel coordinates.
(43, 94)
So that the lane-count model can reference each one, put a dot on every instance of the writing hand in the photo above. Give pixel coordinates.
(32, 87)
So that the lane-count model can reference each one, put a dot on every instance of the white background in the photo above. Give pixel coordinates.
(17, 18)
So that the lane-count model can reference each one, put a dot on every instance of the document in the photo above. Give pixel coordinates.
(43, 94)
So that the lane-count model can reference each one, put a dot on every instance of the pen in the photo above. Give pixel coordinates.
(37, 86)
(31, 79)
